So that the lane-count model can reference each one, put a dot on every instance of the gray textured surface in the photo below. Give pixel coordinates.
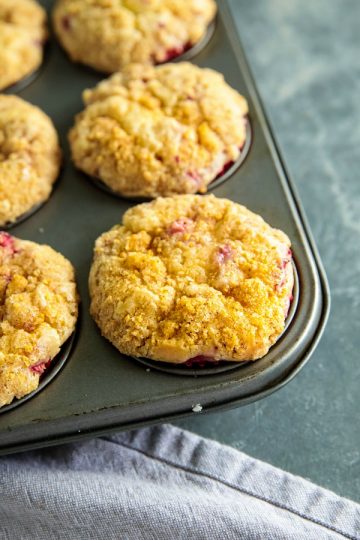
(305, 58)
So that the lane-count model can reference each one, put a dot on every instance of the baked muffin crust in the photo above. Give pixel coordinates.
(22, 37)
(38, 312)
(191, 276)
(151, 131)
(109, 34)
(30, 157)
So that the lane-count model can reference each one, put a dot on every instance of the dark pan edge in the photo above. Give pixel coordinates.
(56, 365)
(23, 83)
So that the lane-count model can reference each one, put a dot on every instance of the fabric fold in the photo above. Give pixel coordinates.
(162, 483)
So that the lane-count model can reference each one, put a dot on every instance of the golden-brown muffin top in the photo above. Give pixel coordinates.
(192, 276)
(38, 312)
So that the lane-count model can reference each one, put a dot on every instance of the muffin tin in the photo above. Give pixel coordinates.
(97, 389)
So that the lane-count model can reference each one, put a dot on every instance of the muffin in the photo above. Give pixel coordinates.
(22, 37)
(38, 312)
(108, 35)
(30, 157)
(191, 277)
(157, 131)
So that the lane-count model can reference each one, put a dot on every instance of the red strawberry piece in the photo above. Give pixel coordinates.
(200, 361)
(195, 177)
(66, 22)
(7, 242)
(224, 254)
(180, 225)
(225, 168)
(174, 52)
(282, 266)
(40, 367)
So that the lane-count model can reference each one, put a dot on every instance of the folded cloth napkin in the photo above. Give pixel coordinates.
(162, 483)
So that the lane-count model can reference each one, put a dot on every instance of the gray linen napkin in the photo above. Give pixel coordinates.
(162, 483)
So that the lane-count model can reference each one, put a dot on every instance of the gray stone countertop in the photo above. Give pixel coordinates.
(305, 57)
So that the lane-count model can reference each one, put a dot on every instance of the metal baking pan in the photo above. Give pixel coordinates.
(98, 390)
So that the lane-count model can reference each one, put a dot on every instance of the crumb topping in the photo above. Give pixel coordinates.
(29, 157)
(38, 311)
(109, 34)
(191, 276)
(151, 131)
(22, 36)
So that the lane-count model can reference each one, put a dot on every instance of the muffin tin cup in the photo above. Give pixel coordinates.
(102, 390)
(20, 85)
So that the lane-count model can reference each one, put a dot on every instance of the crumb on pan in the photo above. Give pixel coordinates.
(197, 408)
